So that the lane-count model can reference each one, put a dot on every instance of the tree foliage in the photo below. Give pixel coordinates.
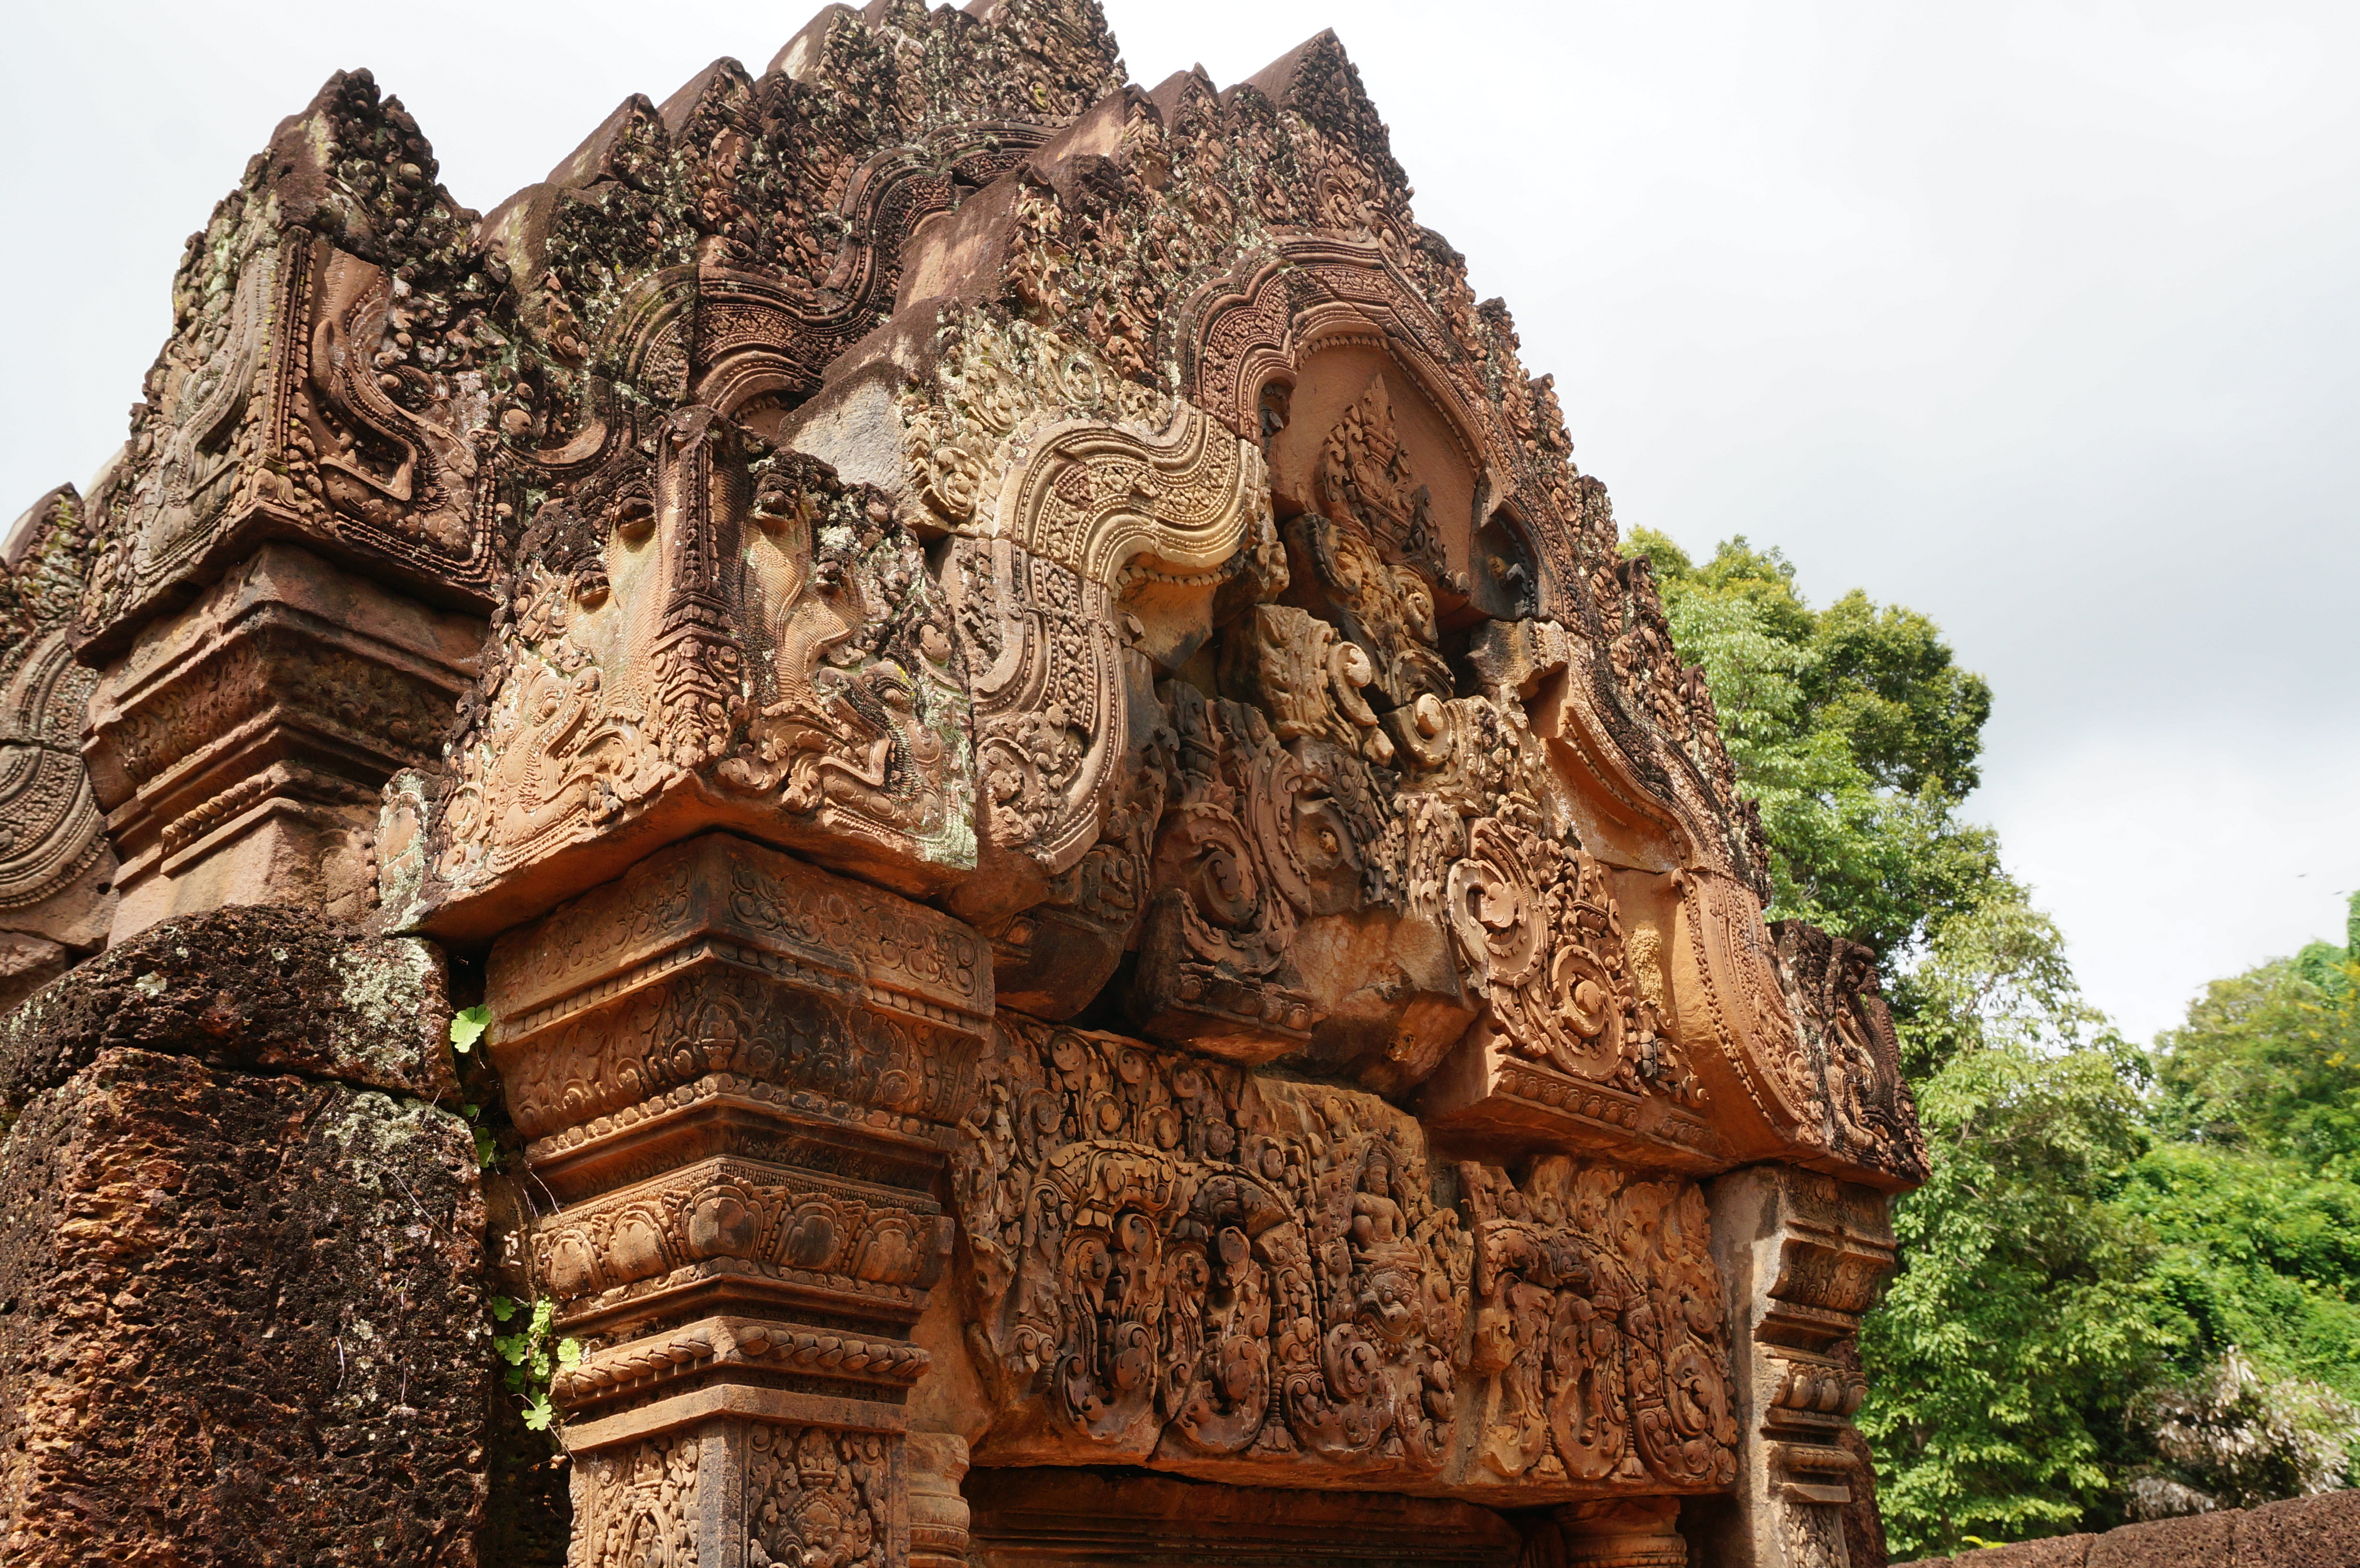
(2132, 1283)
(1853, 728)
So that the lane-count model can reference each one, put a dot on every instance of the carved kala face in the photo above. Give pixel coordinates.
(1389, 1300)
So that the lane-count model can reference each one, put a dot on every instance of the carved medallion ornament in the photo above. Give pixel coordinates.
(56, 864)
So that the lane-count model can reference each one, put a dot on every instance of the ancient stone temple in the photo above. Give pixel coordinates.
(1107, 928)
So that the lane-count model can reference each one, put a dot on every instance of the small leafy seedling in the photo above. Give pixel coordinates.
(533, 1354)
(467, 1025)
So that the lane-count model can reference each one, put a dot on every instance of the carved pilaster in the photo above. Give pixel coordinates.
(1801, 1254)
(738, 1073)
(239, 745)
(1640, 1532)
(939, 1515)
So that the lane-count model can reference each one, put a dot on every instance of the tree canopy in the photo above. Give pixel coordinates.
(2131, 1286)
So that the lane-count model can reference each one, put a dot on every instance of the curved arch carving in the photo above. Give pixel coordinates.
(1096, 497)
(1317, 290)
(54, 827)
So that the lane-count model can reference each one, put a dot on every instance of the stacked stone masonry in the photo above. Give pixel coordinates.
(2320, 1531)
(1109, 928)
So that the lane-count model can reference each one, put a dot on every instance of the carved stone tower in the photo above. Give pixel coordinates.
(1109, 926)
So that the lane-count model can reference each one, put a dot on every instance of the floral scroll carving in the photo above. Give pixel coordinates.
(54, 834)
(1097, 498)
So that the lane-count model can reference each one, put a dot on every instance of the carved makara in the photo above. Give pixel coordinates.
(1832, 992)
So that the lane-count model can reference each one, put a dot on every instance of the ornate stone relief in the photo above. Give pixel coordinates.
(980, 557)
(1831, 990)
(738, 1073)
(1803, 1253)
(1175, 1263)
(722, 635)
(56, 864)
(240, 746)
(323, 381)
(1599, 1329)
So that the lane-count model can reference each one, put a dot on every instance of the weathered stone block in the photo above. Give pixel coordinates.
(2166, 1543)
(243, 1325)
(2052, 1551)
(2302, 1533)
(241, 1254)
(266, 988)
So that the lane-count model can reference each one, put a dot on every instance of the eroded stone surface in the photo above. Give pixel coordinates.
(242, 1256)
(244, 1321)
(270, 988)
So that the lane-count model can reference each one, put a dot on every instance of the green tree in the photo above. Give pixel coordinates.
(2130, 1283)
(2271, 1059)
(1856, 732)
(2020, 1323)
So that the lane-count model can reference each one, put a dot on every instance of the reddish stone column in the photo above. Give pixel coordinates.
(739, 1075)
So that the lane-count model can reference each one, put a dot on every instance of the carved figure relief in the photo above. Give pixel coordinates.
(1599, 1328)
(1372, 549)
(721, 635)
(1175, 1263)
(1229, 880)
(816, 1498)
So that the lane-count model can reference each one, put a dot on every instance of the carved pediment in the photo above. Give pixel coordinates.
(323, 380)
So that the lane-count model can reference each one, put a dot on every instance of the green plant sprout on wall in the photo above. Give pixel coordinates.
(533, 1354)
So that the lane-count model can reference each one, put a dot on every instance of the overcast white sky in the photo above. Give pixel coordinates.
(2041, 317)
